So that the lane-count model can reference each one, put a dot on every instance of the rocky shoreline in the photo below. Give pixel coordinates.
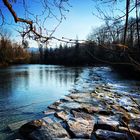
(102, 114)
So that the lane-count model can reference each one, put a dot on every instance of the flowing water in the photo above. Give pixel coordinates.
(27, 90)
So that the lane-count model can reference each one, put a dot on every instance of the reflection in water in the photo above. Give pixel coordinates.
(41, 75)
(25, 91)
(61, 76)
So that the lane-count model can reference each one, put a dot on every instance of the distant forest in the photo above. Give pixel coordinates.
(65, 55)
(103, 45)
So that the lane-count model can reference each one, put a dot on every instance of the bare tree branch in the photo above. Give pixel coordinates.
(2, 17)
(16, 18)
(34, 27)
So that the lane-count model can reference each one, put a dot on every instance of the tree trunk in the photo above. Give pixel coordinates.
(137, 23)
(126, 20)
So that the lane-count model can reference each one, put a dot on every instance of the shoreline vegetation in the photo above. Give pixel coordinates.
(104, 45)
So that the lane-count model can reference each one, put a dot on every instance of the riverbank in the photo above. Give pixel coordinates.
(100, 114)
(101, 105)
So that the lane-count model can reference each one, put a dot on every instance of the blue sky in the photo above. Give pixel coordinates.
(79, 20)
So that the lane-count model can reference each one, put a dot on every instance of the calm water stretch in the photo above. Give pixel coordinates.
(27, 90)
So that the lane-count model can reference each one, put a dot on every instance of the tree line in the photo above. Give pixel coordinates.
(12, 52)
(110, 40)
(116, 41)
(103, 45)
(65, 54)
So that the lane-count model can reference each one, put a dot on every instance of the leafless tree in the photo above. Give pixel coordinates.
(33, 21)
(137, 21)
(130, 6)
(126, 20)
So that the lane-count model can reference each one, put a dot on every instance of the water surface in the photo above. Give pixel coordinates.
(27, 90)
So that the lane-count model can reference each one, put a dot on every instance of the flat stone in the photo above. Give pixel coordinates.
(84, 98)
(80, 128)
(78, 95)
(134, 116)
(90, 109)
(66, 99)
(125, 116)
(109, 135)
(42, 134)
(82, 115)
(129, 131)
(55, 105)
(70, 105)
(47, 120)
(17, 125)
(108, 123)
(135, 124)
(62, 115)
(49, 112)
(45, 132)
(87, 99)
(125, 101)
(56, 130)
(135, 110)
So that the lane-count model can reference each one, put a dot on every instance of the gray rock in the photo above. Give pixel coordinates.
(62, 115)
(82, 115)
(57, 131)
(70, 105)
(105, 122)
(87, 108)
(49, 112)
(135, 124)
(80, 128)
(66, 99)
(134, 133)
(49, 132)
(39, 130)
(78, 95)
(55, 106)
(109, 135)
(48, 120)
(90, 109)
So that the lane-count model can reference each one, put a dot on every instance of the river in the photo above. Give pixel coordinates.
(27, 90)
